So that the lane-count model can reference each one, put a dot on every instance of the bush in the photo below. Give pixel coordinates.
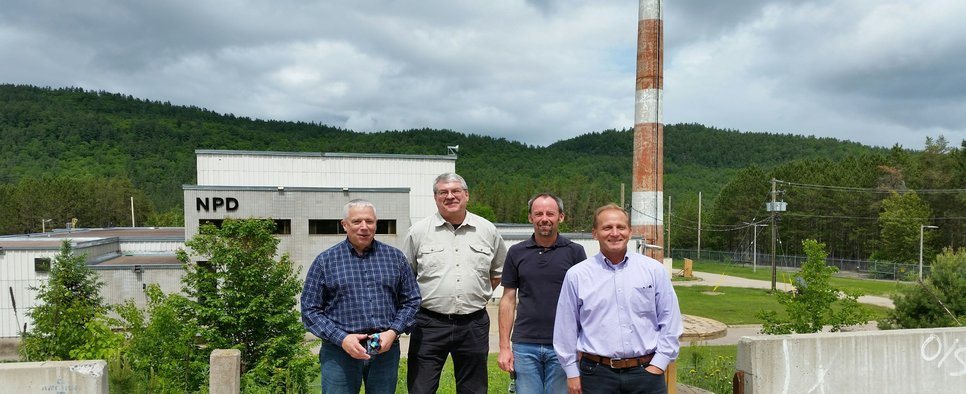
(923, 306)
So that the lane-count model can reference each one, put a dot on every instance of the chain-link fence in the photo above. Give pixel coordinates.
(870, 268)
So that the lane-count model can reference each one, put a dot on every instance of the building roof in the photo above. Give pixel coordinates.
(324, 154)
(53, 239)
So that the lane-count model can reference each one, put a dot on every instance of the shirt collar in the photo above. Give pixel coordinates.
(372, 247)
(559, 242)
(469, 220)
(604, 262)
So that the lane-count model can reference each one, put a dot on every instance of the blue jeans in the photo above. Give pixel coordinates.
(342, 374)
(538, 370)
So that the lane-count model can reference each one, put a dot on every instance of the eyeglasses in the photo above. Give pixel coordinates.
(454, 192)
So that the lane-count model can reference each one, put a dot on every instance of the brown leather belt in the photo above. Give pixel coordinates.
(619, 363)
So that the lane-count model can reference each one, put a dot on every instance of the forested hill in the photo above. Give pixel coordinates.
(82, 134)
(695, 144)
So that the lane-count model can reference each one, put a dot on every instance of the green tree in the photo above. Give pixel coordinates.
(810, 306)
(901, 218)
(926, 305)
(242, 297)
(70, 320)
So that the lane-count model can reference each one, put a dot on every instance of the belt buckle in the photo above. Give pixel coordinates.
(613, 360)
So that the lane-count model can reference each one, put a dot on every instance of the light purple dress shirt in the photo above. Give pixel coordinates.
(620, 311)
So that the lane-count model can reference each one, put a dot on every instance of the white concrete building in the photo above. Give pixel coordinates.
(125, 259)
(305, 193)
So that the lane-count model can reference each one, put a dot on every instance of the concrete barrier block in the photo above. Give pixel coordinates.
(225, 371)
(80, 377)
(897, 361)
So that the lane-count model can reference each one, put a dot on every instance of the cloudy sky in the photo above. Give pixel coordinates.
(879, 72)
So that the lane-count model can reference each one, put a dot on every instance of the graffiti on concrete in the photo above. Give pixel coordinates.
(933, 350)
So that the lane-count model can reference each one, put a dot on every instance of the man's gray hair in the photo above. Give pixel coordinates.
(560, 208)
(359, 202)
(447, 178)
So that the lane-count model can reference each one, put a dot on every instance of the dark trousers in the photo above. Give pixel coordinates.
(597, 378)
(435, 337)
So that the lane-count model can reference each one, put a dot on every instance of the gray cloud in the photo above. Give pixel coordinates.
(878, 72)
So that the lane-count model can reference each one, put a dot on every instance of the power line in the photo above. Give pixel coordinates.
(871, 190)
(869, 217)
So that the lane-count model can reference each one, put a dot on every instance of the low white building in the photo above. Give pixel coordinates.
(125, 259)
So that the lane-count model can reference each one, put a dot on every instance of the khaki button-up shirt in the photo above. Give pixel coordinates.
(454, 265)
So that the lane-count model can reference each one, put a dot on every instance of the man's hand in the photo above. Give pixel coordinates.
(654, 370)
(386, 339)
(505, 360)
(352, 344)
(573, 385)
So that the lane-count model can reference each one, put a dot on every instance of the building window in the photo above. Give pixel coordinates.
(283, 226)
(42, 264)
(334, 226)
(386, 226)
(325, 226)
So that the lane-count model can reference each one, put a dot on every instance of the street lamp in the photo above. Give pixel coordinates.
(43, 225)
(921, 228)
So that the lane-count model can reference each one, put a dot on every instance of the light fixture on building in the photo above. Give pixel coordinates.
(138, 269)
(453, 149)
(281, 189)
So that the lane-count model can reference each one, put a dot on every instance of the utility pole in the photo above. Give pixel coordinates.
(622, 196)
(774, 233)
(699, 226)
(922, 227)
(668, 254)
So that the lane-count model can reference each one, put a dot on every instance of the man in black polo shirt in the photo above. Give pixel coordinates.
(536, 267)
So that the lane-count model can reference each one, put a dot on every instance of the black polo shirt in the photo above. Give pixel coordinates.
(537, 273)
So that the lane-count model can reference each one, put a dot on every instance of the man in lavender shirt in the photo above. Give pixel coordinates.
(618, 321)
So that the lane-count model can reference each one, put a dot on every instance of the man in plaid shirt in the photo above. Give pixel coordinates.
(354, 290)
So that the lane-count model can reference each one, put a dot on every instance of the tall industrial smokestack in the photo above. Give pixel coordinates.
(647, 190)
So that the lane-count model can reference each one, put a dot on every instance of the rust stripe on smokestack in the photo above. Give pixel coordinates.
(647, 197)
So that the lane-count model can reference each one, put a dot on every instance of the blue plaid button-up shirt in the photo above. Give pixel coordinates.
(346, 293)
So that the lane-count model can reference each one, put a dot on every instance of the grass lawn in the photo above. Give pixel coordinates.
(876, 287)
(736, 305)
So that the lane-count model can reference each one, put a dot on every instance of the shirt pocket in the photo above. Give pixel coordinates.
(644, 302)
(429, 257)
(482, 256)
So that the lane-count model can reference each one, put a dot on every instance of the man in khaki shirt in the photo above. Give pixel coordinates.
(458, 260)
